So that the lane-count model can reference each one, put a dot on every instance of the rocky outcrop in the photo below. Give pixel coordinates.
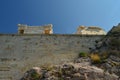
(68, 71)
(111, 42)
(109, 50)
(112, 65)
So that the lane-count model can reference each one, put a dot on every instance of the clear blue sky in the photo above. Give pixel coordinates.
(65, 15)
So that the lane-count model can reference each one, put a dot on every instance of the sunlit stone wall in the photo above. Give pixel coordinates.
(18, 53)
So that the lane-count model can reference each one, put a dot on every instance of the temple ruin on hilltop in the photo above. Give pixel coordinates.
(48, 29)
(92, 30)
(25, 29)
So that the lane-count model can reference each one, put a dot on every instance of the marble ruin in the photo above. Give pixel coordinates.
(92, 30)
(48, 29)
(25, 29)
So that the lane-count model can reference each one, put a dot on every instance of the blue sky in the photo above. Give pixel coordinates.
(65, 15)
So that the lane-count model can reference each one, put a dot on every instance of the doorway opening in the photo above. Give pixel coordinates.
(21, 31)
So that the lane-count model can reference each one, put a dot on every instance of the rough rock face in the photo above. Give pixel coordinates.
(68, 71)
(111, 42)
(112, 65)
(109, 47)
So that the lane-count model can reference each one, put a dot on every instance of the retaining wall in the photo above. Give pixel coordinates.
(19, 53)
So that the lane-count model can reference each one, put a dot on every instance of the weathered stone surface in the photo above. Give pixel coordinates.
(92, 30)
(109, 47)
(25, 29)
(19, 53)
(83, 73)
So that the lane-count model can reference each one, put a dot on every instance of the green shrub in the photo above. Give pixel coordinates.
(35, 76)
(83, 54)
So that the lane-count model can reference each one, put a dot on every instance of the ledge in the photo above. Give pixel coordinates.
(50, 35)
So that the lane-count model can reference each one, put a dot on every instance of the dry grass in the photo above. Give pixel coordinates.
(95, 58)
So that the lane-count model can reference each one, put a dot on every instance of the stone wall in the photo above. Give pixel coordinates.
(19, 53)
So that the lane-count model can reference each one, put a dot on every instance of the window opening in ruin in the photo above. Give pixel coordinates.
(47, 31)
(21, 31)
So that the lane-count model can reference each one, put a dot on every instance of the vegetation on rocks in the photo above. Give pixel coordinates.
(95, 58)
(69, 71)
(109, 51)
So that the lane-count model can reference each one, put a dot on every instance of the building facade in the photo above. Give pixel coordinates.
(25, 29)
(92, 30)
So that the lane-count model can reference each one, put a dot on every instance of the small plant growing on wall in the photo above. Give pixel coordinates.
(32, 75)
(83, 54)
(35, 76)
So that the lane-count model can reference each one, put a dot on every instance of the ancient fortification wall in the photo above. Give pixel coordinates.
(18, 53)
